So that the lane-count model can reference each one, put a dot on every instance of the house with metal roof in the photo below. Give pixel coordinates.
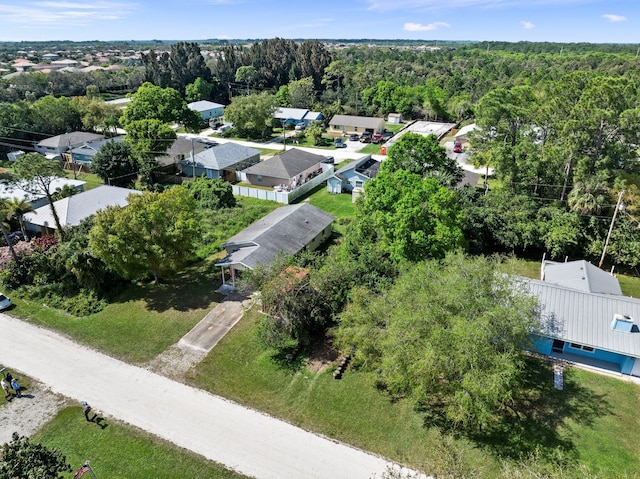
(208, 110)
(347, 124)
(73, 209)
(295, 116)
(584, 322)
(580, 275)
(37, 196)
(287, 170)
(353, 175)
(222, 161)
(286, 230)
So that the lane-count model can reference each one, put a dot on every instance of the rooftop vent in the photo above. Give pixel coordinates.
(624, 323)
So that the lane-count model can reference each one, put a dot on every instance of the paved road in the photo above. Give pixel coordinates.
(240, 438)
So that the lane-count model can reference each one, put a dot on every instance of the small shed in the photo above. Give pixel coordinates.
(394, 118)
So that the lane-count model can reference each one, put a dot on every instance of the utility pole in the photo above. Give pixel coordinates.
(193, 159)
(613, 220)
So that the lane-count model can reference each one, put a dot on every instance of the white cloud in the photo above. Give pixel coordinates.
(614, 18)
(419, 27)
(527, 25)
(386, 5)
(69, 13)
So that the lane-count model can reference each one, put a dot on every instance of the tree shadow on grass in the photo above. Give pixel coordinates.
(289, 359)
(193, 288)
(534, 422)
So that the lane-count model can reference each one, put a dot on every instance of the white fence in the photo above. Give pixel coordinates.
(285, 197)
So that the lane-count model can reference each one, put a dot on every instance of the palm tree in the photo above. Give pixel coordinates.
(16, 209)
(588, 197)
(3, 229)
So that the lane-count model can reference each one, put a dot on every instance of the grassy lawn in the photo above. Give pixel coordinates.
(92, 180)
(593, 420)
(339, 206)
(350, 410)
(371, 148)
(140, 322)
(120, 451)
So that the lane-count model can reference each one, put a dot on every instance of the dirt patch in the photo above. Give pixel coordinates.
(26, 414)
(175, 362)
(322, 355)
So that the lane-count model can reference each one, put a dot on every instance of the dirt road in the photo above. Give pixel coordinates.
(240, 438)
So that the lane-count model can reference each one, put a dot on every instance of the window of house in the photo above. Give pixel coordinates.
(259, 178)
(588, 349)
(359, 184)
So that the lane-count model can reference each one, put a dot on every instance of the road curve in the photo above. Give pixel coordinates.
(238, 437)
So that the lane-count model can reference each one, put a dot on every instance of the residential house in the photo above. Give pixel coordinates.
(295, 116)
(288, 170)
(208, 110)
(84, 154)
(183, 148)
(347, 124)
(39, 197)
(73, 209)
(286, 230)
(353, 175)
(585, 319)
(56, 145)
(223, 161)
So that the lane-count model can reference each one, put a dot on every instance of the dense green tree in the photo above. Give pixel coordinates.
(412, 218)
(315, 131)
(23, 459)
(94, 111)
(116, 164)
(149, 139)
(302, 93)
(561, 232)
(187, 64)
(448, 335)
(248, 75)
(55, 116)
(251, 115)
(589, 197)
(35, 174)
(198, 90)
(154, 235)
(421, 155)
(151, 102)
(211, 194)
(508, 220)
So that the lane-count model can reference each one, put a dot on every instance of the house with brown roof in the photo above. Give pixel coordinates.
(289, 170)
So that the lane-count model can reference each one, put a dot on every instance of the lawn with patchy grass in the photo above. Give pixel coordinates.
(123, 451)
(140, 322)
(582, 420)
(350, 410)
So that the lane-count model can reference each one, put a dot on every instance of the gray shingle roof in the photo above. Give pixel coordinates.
(286, 165)
(585, 318)
(73, 139)
(73, 209)
(359, 121)
(225, 156)
(290, 113)
(287, 229)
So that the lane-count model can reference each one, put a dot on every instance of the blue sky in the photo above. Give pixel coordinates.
(596, 21)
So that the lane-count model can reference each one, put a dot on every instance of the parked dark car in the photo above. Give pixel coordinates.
(354, 137)
(365, 139)
(338, 143)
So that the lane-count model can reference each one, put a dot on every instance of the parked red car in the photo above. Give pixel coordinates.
(457, 147)
(377, 138)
